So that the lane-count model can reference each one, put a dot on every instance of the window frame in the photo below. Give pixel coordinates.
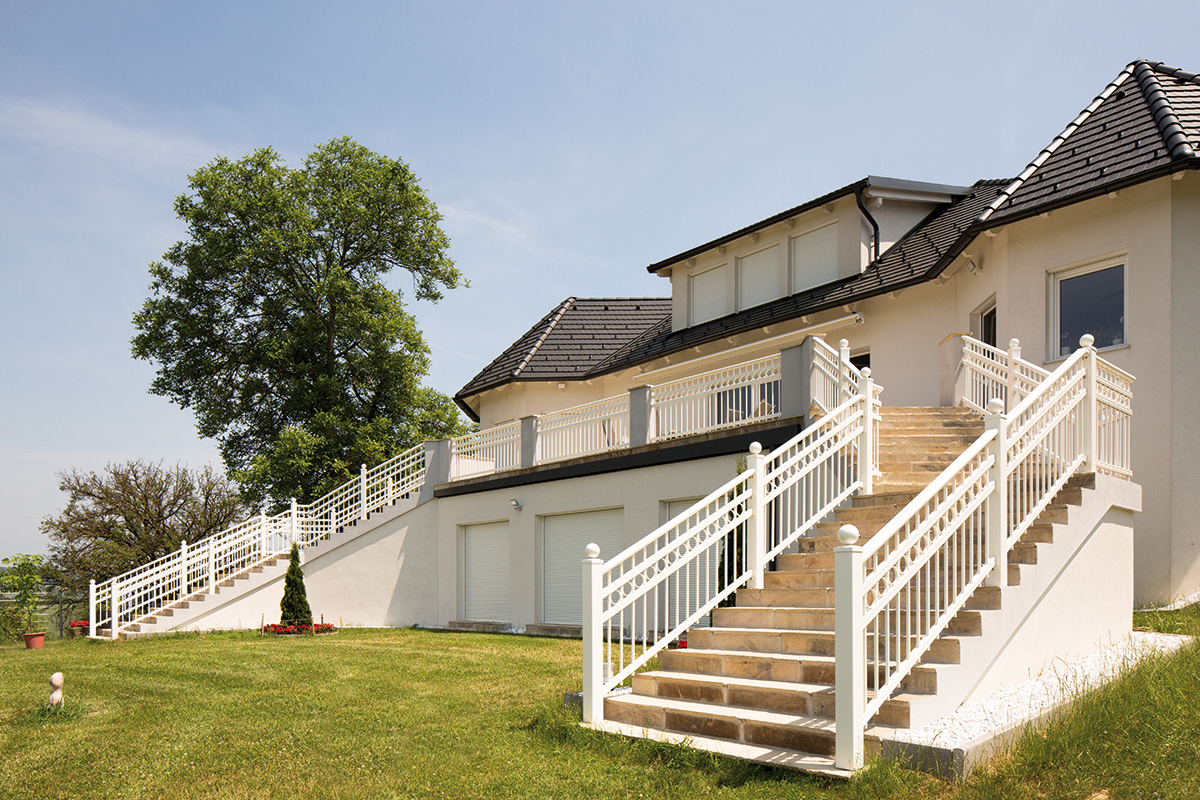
(1055, 279)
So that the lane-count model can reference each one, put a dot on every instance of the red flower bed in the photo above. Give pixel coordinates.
(80, 623)
(298, 630)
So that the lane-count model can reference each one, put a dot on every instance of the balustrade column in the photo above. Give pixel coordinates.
(1013, 387)
(641, 416)
(362, 492)
(92, 607)
(593, 646)
(796, 379)
(183, 569)
(756, 525)
(996, 517)
(295, 536)
(437, 467)
(529, 441)
(114, 604)
(866, 444)
(1090, 419)
(952, 384)
(850, 664)
(844, 384)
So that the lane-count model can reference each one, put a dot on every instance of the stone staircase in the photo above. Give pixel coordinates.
(758, 684)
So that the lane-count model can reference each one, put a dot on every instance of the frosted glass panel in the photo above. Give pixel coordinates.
(815, 258)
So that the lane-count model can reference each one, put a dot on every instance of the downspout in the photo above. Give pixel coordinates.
(858, 198)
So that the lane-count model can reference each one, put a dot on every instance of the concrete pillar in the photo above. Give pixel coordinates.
(437, 467)
(795, 380)
(529, 435)
(952, 386)
(641, 416)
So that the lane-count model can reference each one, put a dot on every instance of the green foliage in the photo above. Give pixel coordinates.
(131, 513)
(22, 576)
(293, 609)
(273, 324)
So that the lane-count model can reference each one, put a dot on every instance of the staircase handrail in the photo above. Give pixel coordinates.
(963, 524)
(993, 372)
(834, 378)
(631, 599)
(165, 580)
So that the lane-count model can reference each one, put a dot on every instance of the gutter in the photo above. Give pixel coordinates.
(858, 198)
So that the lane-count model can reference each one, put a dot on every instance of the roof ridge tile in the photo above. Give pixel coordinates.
(1163, 112)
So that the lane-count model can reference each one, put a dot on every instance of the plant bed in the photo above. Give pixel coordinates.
(318, 629)
(78, 627)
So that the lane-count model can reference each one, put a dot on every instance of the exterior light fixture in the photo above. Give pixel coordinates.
(515, 503)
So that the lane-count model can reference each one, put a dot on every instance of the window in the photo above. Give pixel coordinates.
(709, 298)
(1091, 300)
(758, 277)
(815, 258)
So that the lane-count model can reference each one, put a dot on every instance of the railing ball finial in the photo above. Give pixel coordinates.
(847, 534)
(1014, 343)
(1087, 340)
(755, 448)
(844, 343)
(866, 372)
(592, 550)
(56, 685)
(995, 406)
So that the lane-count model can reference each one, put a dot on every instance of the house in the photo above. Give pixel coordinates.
(717, 443)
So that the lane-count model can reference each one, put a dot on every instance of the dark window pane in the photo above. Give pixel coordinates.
(1093, 303)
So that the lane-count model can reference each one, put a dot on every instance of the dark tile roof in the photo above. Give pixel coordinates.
(1146, 123)
(920, 256)
(570, 341)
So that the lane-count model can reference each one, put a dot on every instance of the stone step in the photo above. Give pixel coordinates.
(805, 699)
(966, 622)
(945, 650)
(799, 578)
(788, 667)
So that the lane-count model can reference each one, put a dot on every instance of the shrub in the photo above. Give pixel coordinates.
(293, 609)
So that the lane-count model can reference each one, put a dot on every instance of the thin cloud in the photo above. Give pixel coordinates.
(73, 130)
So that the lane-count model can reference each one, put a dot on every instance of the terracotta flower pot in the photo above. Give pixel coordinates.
(35, 641)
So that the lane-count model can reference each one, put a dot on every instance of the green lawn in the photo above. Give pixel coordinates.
(409, 713)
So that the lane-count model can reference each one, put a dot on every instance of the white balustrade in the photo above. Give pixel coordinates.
(994, 373)
(717, 399)
(487, 451)
(199, 566)
(582, 430)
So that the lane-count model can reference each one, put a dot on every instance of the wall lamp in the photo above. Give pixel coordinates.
(515, 503)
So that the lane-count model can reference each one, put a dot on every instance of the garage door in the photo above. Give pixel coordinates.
(565, 537)
(485, 572)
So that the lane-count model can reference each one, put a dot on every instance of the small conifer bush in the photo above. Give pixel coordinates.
(293, 609)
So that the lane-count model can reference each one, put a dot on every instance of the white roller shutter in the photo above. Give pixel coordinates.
(485, 572)
(758, 277)
(710, 296)
(815, 258)
(565, 537)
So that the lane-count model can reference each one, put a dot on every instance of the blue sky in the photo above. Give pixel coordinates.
(567, 145)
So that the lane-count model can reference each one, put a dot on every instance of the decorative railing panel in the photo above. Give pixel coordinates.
(1114, 395)
(486, 451)
(994, 373)
(583, 430)
(718, 399)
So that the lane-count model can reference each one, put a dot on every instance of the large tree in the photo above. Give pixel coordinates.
(272, 323)
(131, 513)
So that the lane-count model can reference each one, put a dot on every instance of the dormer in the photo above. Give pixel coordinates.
(826, 240)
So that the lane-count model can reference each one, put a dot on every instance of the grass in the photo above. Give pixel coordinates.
(412, 713)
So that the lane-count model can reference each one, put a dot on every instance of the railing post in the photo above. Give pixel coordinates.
(1010, 394)
(850, 666)
(796, 379)
(843, 372)
(997, 504)
(114, 603)
(529, 442)
(756, 532)
(182, 569)
(1090, 418)
(866, 444)
(295, 532)
(593, 647)
(362, 492)
(952, 383)
(641, 416)
(92, 607)
(212, 557)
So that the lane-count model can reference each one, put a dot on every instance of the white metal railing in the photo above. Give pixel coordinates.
(487, 451)
(642, 599)
(896, 594)
(585, 429)
(834, 378)
(123, 599)
(992, 373)
(717, 399)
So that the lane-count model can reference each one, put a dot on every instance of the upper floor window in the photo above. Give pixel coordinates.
(758, 277)
(709, 296)
(815, 258)
(1088, 299)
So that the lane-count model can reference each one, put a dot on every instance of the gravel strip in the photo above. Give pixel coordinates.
(1026, 701)
(1182, 602)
